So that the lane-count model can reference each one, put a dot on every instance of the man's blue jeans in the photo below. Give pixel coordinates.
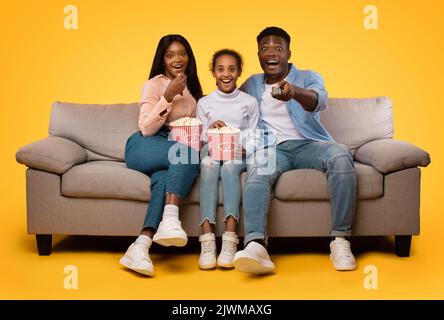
(149, 155)
(229, 173)
(329, 157)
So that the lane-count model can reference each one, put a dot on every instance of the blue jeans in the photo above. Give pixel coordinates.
(149, 155)
(229, 173)
(329, 157)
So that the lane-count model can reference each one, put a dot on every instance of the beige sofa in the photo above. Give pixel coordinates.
(77, 182)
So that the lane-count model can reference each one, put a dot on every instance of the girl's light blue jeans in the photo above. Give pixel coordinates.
(229, 173)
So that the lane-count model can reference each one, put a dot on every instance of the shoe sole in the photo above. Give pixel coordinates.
(128, 264)
(343, 267)
(250, 265)
(209, 267)
(168, 241)
(225, 265)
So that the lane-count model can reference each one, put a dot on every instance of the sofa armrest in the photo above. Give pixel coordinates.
(388, 155)
(52, 154)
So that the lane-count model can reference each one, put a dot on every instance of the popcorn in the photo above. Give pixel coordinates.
(186, 121)
(222, 142)
(225, 129)
(187, 131)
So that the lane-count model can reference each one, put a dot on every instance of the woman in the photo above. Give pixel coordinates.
(170, 93)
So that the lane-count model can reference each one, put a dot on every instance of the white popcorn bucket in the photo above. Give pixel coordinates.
(188, 135)
(222, 145)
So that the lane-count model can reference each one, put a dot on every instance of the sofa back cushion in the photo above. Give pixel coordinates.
(353, 122)
(101, 129)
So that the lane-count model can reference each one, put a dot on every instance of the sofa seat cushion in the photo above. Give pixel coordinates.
(113, 180)
(310, 184)
(106, 179)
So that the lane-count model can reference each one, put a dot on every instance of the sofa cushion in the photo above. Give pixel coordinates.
(52, 154)
(388, 155)
(354, 122)
(106, 179)
(101, 129)
(310, 184)
(111, 179)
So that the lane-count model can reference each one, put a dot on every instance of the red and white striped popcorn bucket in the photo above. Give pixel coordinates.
(188, 135)
(222, 145)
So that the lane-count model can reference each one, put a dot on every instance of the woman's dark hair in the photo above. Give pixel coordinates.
(158, 66)
(229, 52)
(274, 31)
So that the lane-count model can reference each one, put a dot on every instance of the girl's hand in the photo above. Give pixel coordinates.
(217, 124)
(176, 86)
(239, 152)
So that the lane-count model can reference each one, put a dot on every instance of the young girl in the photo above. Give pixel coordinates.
(227, 106)
(170, 93)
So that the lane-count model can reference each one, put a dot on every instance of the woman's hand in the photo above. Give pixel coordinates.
(176, 86)
(217, 124)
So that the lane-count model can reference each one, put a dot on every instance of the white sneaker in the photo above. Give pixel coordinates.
(137, 258)
(170, 233)
(207, 258)
(229, 248)
(341, 255)
(253, 259)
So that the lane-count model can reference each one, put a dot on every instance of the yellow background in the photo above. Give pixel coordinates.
(109, 57)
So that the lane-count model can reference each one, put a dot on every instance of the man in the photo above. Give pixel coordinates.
(290, 119)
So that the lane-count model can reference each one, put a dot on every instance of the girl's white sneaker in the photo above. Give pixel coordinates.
(207, 258)
(229, 249)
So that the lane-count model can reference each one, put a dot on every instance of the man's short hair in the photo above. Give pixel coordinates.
(274, 31)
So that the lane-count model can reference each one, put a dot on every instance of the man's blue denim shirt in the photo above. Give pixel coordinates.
(308, 123)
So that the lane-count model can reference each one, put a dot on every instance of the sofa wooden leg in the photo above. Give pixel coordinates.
(44, 244)
(402, 245)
